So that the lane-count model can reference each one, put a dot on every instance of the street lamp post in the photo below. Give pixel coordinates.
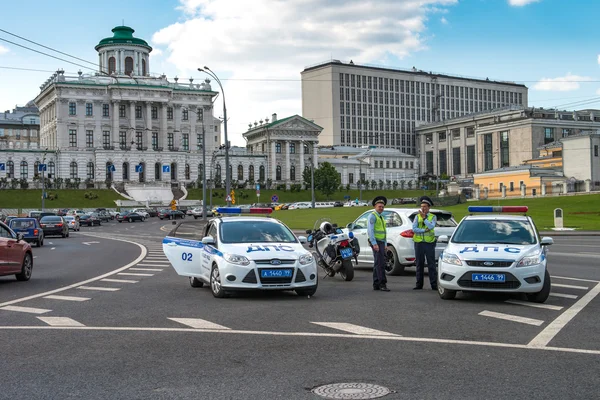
(312, 181)
(227, 177)
(43, 178)
(203, 171)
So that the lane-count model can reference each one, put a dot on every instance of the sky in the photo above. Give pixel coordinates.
(259, 48)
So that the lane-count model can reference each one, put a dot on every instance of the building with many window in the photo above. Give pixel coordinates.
(359, 105)
(20, 128)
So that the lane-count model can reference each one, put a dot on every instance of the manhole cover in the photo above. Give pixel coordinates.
(351, 391)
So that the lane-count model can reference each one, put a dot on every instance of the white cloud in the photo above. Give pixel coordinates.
(156, 52)
(444, 21)
(561, 84)
(521, 3)
(261, 46)
(598, 58)
(3, 50)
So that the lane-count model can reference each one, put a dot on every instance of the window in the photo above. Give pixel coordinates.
(89, 109)
(443, 164)
(387, 163)
(278, 173)
(122, 139)
(470, 159)
(455, 134)
(143, 67)
(218, 173)
(251, 173)
(90, 170)
(111, 65)
(441, 136)
(154, 112)
(240, 172)
(138, 112)
(105, 110)
(595, 150)
(351, 178)
(154, 140)
(72, 108)
(138, 140)
(128, 65)
(36, 168)
(51, 169)
(122, 111)
(24, 169)
(125, 171)
(72, 138)
(429, 138)
(456, 161)
(292, 148)
(200, 114)
(73, 170)
(488, 162)
(504, 156)
(187, 171)
(292, 173)
(157, 171)
(470, 132)
(170, 140)
(278, 148)
(184, 114)
(261, 173)
(394, 164)
(89, 139)
(169, 113)
(186, 141)
(511, 186)
(429, 162)
(548, 135)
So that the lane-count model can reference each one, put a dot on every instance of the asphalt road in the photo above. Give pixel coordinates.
(145, 333)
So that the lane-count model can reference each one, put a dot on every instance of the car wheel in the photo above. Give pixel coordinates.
(26, 268)
(183, 216)
(41, 242)
(195, 282)
(63, 235)
(120, 221)
(310, 291)
(347, 270)
(215, 283)
(446, 294)
(130, 219)
(67, 233)
(543, 294)
(392, 262)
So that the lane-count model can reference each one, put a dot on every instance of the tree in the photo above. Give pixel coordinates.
(380, 184)
(327, 179)
(410, 184)
(306, 176)
(402, 184)
(388, 184)
(395, 185)
(373, 184)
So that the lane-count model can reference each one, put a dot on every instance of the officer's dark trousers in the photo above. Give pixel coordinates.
(379, 277)
(425, 250)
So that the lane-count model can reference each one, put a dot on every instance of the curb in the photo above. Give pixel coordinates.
(542, 233)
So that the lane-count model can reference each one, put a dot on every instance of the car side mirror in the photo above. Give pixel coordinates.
(546, 241)
(443, 239)
(208, 240)
(350, 226)
(19, 237)
(302, 239)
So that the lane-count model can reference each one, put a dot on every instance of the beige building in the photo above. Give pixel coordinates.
(581, 158)
(360, 105)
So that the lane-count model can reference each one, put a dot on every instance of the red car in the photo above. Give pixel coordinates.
(16, 257)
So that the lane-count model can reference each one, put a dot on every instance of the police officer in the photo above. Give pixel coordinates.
(377, 239)
(424, 238)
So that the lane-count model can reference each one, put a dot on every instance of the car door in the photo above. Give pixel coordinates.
(12, 250)
(4, 238)
(184, 249)
(360, 232)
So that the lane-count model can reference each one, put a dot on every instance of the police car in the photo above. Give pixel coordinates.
(495, 253)
(232, 253)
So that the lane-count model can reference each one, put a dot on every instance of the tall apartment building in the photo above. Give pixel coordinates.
(20, 128)
(361, 105)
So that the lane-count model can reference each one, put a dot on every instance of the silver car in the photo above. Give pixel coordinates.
(401, 252)
(72, 223)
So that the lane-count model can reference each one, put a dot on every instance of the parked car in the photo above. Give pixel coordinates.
(171, 214)
(90, 219)
(300, 205)
(104, 216)
(338, 204)
(17, 257)
(30, 229)
(54, 225)
(356, 203)
(72, 222)
(130, 217)
(401, 252)
(142, 212)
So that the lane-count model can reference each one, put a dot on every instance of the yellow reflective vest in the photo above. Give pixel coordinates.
(429, 236)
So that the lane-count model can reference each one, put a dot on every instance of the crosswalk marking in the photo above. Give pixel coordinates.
(570, 286)
(60, 321)
(102, 289)
(67, 298)
(198, 323)
(153, 265)
(134, 274)
(357, 329)
(145, 269)
(29, 310)
(563, 295)
(535, 305)
(514, 318)
(118, 280)
(574, 279)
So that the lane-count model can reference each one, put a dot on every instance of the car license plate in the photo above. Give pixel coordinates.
(49, 226)
(488, 277)
(346, 253)
(276, 273)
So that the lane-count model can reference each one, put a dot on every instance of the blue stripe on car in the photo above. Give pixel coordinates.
(192, 243)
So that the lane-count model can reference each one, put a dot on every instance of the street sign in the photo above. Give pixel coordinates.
(42, 168)
(173, 205)
(233, 201)
(2, 167)
(228, 198)
(257, 187)
(166, 169)
(274, 198)
(139, 168)
(424, 187)
(111, 168)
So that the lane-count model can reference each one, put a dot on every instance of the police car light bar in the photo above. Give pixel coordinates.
(500, 209)
(238, 210)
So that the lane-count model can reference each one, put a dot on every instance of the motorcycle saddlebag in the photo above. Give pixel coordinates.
(329, 253)
(355, 246)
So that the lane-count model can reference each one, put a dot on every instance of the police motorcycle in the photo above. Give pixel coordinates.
(334, 249)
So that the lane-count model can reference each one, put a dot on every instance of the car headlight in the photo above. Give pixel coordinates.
(533, 259)
(236, 259)
(306, 259)
(449, 258)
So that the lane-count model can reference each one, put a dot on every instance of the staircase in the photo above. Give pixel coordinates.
(177, 192)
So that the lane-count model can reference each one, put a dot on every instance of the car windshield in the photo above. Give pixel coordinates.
(444, 219)
(51, 219)
(69, 218)
(255, 232)
(495, 231)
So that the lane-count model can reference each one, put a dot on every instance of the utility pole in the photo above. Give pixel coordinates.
(312, 181)
(203, 170)
(43, 179)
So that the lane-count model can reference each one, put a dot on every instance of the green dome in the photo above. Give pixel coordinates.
(122, 35)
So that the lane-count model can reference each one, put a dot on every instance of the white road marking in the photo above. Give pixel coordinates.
(154, 265)
(67, 298)
(570, 286)
(53, 248)
(34, 257)
(197, 323)
(514, 318)
(336, 336)
(102, 289)
(356, 329)
(563, 295)
(581, 255)
(146, 261)
(118, 280)
(29, 310)
(134, 274)
(50, 243)
(89, 243)
(545, 336)
(60, 321)
(145, 269)
(535, 305)
(574, 279)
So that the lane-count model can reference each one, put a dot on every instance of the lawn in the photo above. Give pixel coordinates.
(580, 212)
(32, 198)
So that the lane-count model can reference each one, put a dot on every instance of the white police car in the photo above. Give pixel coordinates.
(495, 253)
(240, 253)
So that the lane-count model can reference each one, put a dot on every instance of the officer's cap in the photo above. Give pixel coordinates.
(379, 199)
(426, 200)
